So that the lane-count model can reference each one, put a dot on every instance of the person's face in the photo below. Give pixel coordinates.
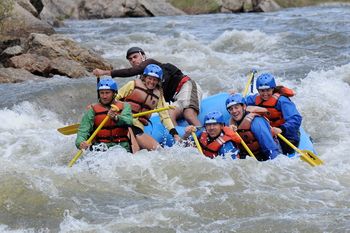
(236, 111)
(265, 93)
(135, 59)
(151, 82)
(106, 96)
(214, 129)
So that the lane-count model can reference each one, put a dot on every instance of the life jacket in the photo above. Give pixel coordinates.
(244, 130)
(211, 148)
(275, 116)
(142, 99)
(173, 79)
(110, 132)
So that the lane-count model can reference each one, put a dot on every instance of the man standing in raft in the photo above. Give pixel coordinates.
(179, 89)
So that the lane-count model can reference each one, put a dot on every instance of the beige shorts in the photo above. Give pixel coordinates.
(189, 96)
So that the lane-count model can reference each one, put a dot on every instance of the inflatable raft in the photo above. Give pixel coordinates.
(209, 104)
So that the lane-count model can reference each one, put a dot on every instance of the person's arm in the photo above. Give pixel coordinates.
(291, 116)
(125, 117)
(125, 90)
(85, 128)
(229, 149)
(165, 117)
(129, 72)
(250, 99)
(262, 132)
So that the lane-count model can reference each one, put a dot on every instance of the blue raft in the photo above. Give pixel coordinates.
(209, 104)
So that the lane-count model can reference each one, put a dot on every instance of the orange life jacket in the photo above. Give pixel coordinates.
(211, 149)
(142, 99)
(110, 132)
(275, 116)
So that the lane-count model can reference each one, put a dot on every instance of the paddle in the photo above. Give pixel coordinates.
(78, 154)
(73, 129)
(98, 93)
(245, 92)
(250, 82)
(305, 155)
(246, 147)
(197, 142)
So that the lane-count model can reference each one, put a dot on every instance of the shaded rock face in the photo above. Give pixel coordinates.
(59, 46)
(86, 9)
(56, 54)
(21, 23)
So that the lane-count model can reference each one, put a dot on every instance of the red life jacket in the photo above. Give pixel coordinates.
(244, 130)
(142, 99)
(110, 132)
(211, 149)
(275, 116)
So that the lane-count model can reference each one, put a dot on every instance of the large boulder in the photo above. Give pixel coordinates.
(267, 6)
(49, 55)
(81, 9)
(248, 6)
(12, 75)
(60, 46)
(20, 23)
(28, 6)
(33, 63)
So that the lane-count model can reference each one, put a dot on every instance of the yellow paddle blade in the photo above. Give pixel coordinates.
(310, 158)
(305, 155)
(250, 79)
(68, 130)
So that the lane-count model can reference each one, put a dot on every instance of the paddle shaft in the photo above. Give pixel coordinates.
(245, 92)
(79, 153)
(72, 129)
(197, 142)
(246, 147)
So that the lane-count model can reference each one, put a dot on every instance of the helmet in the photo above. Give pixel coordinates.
(265, 81)
(107, 84)
(154, 71)
(214, 117)
(134, 50)
(235, 99)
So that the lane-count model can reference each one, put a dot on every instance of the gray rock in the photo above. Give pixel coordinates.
(56, 46)
(12, 75)
(34, 63)
(21, 23)
(28, 6)
(12, 51)
(81, 9)
(267, 6)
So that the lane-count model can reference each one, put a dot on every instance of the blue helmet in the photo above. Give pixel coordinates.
(265, 81)
(234, 99)
(107, 84)
(214, 118)
(154, 71)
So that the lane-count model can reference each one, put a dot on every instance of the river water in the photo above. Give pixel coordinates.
(177, 190)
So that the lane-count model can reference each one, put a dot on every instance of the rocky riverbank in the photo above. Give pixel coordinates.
(31, 50)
